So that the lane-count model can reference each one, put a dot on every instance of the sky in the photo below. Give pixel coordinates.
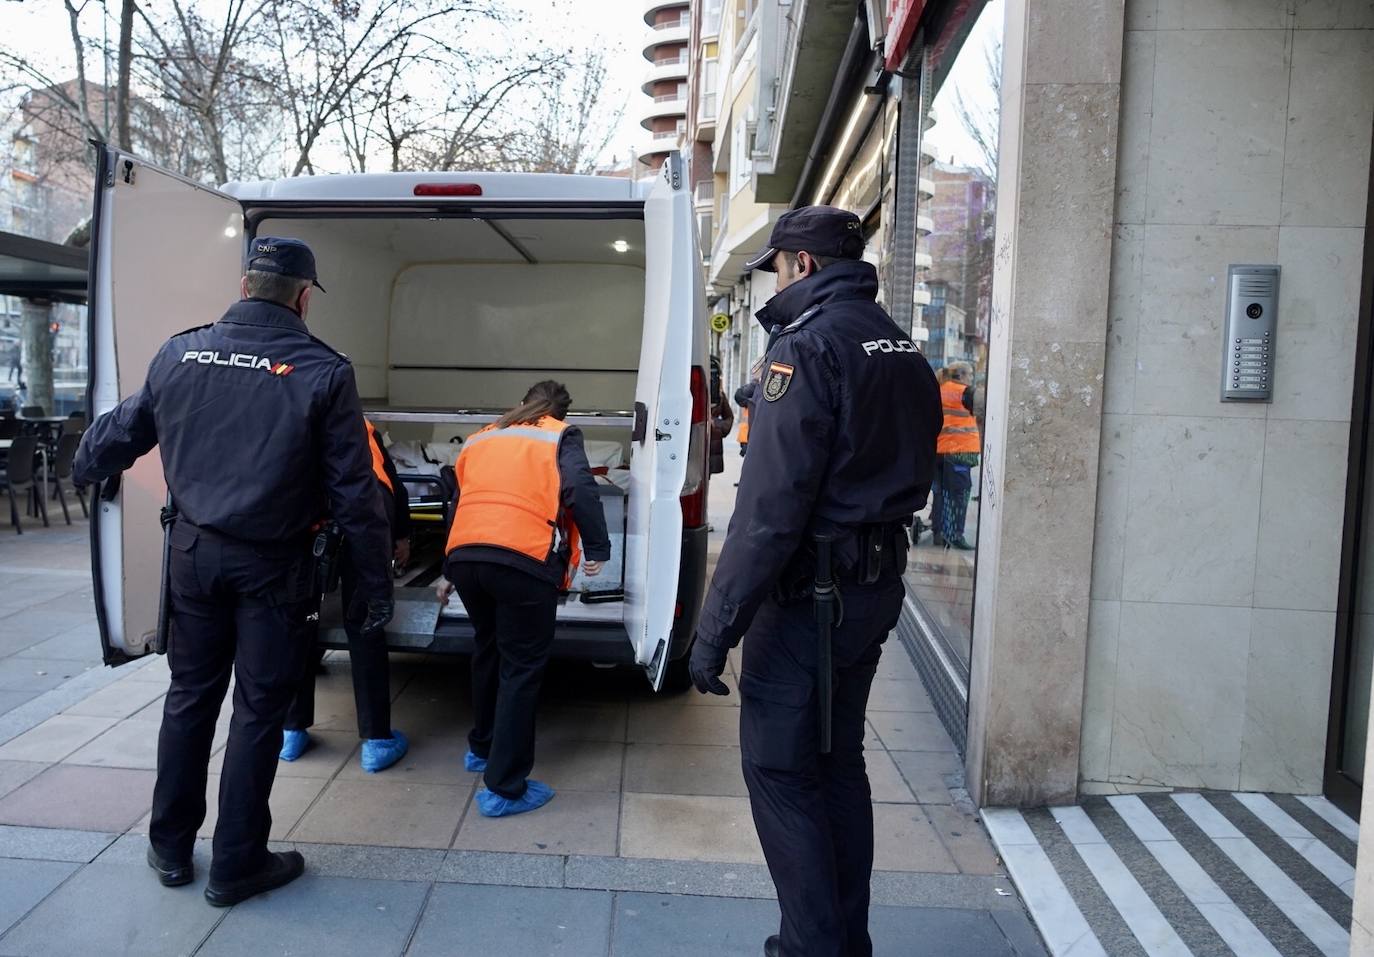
(39, 30)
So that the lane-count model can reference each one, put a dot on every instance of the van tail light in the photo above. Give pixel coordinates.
(694, 489)
(448, 189)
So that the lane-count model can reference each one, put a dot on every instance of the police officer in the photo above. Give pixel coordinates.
(843, 432)
(261, 433)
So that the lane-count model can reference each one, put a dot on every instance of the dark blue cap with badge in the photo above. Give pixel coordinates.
(286, 257)
(820, 230)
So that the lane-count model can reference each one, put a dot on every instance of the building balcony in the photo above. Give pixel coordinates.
(664, 33)
(921, 295)
(928, 151)
(669, 106)
(925, 187)
(704, 193)
(651, 8)
(923, 261)
(667, 71)
(931, 119)
(924, 225)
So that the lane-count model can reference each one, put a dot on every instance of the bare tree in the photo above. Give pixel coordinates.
(980, 118)
(126, 57)
(572, 126)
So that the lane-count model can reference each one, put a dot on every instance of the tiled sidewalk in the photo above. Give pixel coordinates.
(648, 849)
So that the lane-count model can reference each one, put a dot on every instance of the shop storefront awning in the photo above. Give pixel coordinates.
(37, 269)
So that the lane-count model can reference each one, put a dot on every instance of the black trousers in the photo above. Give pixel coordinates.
(238, 608)
(513, 614)
(371, 669)
(813, 811)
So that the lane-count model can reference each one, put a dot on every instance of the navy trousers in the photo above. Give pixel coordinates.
(813, 811)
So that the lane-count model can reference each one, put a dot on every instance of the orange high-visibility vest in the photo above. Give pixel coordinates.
(510, 494)
(960, 433)
(374, 444)
(743, 434)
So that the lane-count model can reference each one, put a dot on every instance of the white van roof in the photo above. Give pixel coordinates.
(401, 186)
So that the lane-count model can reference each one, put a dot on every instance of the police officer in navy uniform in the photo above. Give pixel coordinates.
(842, 443)
(261, 434)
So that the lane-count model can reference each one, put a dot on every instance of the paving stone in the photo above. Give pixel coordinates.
(702, 878)
(55, 738)
(1020, 933)
(36, 674)
(667, 926)
(381, 863)
(689, 828)
(684, 769)
(562, 723)
(494, 867)
(964, 838)
(930, 774)
(115, 910)
(291, 797)
(910, 731)
(937, 932)
(24, 883)
(524, 920)
(430, 760)
(574, 822)
(80, 644)
(896, 665)
(129, 744)
(695, 699)
(581, 766)
(329, 751)
(667, 723)
(329, 916)
(9, 700)
(888, 694)
(52, 844)
(88, 799)
(389, 813)
(119, 700)
(886, 782)
(904, 840)
(968, 891)
(15, 773)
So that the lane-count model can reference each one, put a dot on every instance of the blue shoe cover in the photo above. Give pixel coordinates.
(492, 804)
(294, 744)
(472, 762)
(381, 753)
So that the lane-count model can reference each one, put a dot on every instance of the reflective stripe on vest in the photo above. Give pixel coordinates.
(960, 432)
(374, 444)
(510, 495)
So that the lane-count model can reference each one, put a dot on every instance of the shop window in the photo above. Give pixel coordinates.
(954, 263)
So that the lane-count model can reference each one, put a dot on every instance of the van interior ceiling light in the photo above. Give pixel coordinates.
(230, 232)
(620, 246)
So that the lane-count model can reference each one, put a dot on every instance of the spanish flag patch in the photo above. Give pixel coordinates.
(282, 368)
(776, 382)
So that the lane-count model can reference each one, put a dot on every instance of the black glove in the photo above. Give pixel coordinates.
(379, 612)
(708, 661)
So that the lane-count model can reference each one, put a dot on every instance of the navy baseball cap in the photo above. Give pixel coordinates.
(287, 257)
(820, 230)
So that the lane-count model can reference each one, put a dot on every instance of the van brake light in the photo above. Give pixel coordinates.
(448, 189)
(695, 488)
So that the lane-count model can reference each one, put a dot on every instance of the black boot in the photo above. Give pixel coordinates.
(170, 873)
(281, 868)
(771, 947)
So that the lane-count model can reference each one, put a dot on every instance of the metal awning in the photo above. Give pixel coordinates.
(37, 269)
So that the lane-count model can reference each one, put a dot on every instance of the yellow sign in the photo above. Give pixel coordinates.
(720, 322)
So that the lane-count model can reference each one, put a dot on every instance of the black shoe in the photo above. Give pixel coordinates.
(281, 869)
(771, 947)
(169, 873)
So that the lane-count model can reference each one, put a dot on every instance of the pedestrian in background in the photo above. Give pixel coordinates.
(369, 662)
(254, 452)
(958, 451)
(722, 419)
(526, 506)
(843, 436)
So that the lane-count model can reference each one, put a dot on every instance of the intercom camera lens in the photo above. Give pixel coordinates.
(1254, 310)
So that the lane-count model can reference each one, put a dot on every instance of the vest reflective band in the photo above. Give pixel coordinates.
(743, 434)
(374, 444)
(510, 495)
(960, 433)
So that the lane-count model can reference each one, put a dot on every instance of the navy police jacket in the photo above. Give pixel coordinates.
(841, 434)
(261, 434)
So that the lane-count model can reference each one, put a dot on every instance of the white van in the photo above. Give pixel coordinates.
(452, 293)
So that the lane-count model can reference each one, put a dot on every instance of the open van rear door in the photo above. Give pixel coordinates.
(663, 414)
(166, 255)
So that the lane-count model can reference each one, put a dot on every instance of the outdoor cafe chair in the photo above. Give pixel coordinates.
(18, 479)
(60, 474)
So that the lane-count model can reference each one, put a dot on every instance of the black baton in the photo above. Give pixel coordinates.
(826, 602)
(168, 518)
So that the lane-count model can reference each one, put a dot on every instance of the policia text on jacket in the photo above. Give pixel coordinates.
(450, 294)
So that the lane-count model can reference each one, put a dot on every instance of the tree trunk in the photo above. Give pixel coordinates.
(38, 354)
(126, 56)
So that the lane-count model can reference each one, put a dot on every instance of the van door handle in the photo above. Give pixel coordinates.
(662, 436)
